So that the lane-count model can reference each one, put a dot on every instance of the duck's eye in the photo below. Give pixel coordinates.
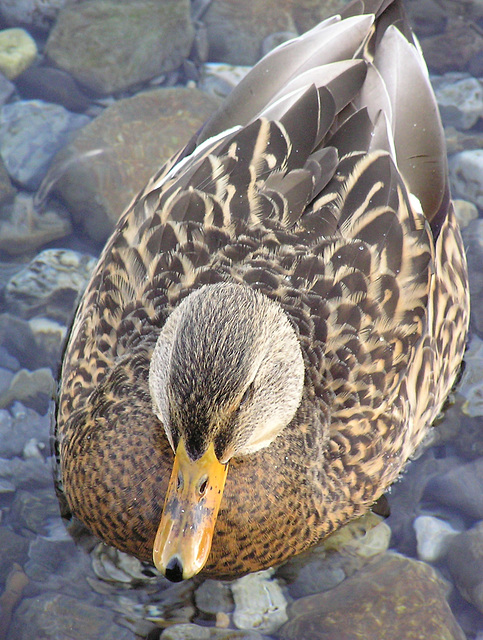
(203, 484)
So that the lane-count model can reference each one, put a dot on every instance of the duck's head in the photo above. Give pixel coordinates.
(226, 377)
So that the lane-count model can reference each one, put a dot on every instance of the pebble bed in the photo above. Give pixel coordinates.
(76, 128)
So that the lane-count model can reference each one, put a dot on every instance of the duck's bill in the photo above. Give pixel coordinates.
(184, 536)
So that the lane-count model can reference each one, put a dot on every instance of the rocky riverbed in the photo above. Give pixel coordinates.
(84, 122)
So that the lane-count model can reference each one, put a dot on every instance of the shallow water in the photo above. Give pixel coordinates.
(52, 587)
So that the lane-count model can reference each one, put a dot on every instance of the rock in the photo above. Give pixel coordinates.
(433, 537)
(49, 338)
(213, 596)
(17, 52)
(52, 85)
(31, 133)
(259, 602)
(7, 191)
(15, 584)
(50, 285)
(454, 49)
(359, 607)
(17, 340)
(18, 427)
(7, 88)
(32, 388)
(308, 13)
(26, 473)
(30, 511)
(465, 561)
(24, 229)
(218, 79)
(460, 99)
(427, 17)
(334, 559)
(55, 616)
(473, 238)
(236, 35)
(195, 632)
(14, 549)
(465, 212)
(39, 14)
(470, 387)
(457, 141)
(123, 43)
(466, 174)
(112, 158)
(460, 488)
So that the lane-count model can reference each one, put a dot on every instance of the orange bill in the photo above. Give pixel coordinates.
(184, 536)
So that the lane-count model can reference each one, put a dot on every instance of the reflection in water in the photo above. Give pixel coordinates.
(55, 588)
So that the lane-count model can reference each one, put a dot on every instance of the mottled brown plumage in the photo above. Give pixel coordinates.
(309, 186)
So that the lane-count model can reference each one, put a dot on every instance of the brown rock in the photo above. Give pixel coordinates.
(124, 42)
(236, 30)
(113, 157)
(392, 598)
(454, 49)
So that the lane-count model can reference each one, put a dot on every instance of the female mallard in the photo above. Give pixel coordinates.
(284, 306)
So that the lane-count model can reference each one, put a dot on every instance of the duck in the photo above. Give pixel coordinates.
(278, 316)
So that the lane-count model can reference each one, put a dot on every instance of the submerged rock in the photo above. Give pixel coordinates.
(23, 229)
(433, 537)
(465, 561)
(50, 285)
(460, 488)
(259, 602)
(391, 598)
(466, 173)
(17, 52)
(31, 133)
(112, 158)
(56, 616)
(39, 14)
(123, 43)
(236, 34)
(460, 100)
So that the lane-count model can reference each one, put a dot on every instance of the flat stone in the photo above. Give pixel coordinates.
(359, 607)
(111, 159)
(460, 100)
(236, 35)
(466, 174)
(465, 561)
(23, 229)
(213, 596)
(26, 473)
(433, 537)
(17, 430)
(123, 43)
(53, 616)
(7, 89)
(26, 387)
(17, 339)
(52, 85)
(340, 555)
(14, 549)
(196, 632)
(460, 488)
(471, 387)
(259, 602)
(31, 510)
(39, 14)
(50, 285)
(456, 48)
(17, 51)
(218, 79)
(465, 212)
(49, 336)
(31, 133)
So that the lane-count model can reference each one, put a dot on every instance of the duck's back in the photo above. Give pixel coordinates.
(322, 182)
